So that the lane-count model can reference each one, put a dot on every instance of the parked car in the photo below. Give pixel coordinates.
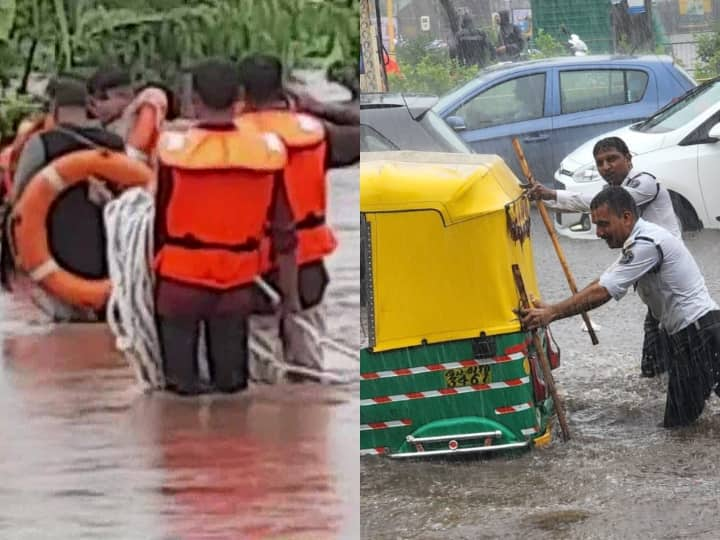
(680, 145)
(405, 122)
(552, 104)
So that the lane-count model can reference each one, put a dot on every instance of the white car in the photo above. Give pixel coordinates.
(680, 145)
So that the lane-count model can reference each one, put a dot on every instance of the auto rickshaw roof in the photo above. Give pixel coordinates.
(458, 186)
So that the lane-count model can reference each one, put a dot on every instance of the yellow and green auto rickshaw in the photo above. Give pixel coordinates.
(446, 368)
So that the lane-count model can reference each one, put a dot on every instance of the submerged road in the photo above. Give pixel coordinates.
(620, 477)
(85, 455)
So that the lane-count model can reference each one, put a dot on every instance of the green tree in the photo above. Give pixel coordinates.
(546, 46)
(707, 64)
(164, 35)
(428, 71)
(156, 39)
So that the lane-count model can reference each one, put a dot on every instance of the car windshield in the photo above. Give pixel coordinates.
(443, 134)
(680, 113)
(372, 141)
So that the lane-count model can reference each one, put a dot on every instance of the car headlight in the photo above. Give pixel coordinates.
(588, 173)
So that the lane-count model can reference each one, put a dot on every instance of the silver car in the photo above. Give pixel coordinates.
(405, 122)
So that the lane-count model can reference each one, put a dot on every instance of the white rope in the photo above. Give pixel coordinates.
(130, 309)
(268, 365)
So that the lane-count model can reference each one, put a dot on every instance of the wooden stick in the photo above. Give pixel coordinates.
(544, 364)
(553, 237)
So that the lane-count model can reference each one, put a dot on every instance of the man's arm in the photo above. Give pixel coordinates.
(561, 199)
(636, 261)
(342, 114)
(343, 145)
(592, 296)
(284, 247)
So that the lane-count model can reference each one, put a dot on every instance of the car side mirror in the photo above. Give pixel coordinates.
(583, 225)
(456, 122)
(714, 132)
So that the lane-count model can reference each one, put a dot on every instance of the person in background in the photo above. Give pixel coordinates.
(119, 106)
(79, 208)
(510, 41)
(474, 49)
(110, 91)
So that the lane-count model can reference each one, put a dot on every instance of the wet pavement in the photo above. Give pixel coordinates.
(621, 476)
(85, 455)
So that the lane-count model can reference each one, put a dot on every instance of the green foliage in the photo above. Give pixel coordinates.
(156, 39)
(12, 111)
(429, 77)
(7, 18)
(160, 37)
(427, 71)
(707, 64)
(416, 50)
(547, 46)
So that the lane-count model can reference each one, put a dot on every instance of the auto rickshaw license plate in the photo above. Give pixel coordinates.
(467, 376)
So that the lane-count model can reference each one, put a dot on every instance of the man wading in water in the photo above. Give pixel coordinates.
(667, 279)
(614, 163)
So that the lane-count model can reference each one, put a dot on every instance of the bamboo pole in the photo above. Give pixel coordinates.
(553, 237)
(544, 364)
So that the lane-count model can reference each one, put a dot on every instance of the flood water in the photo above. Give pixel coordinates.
(85, 455)
(621, 476)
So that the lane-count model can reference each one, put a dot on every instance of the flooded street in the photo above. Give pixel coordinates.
(85, 455)
(621, 476)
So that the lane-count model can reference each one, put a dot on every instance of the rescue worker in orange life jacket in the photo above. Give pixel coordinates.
(219, 190)
(75, 225)
(26, 129)
(314, 145)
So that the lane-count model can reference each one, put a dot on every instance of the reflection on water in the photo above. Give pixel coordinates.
(83, 454)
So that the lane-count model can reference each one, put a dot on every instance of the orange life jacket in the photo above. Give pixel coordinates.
(218, 208)
(26, 129)
(5, 154)
(306, 142)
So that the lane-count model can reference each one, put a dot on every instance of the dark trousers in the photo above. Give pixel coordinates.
(656, 348)
(227, 353)
(694, 367)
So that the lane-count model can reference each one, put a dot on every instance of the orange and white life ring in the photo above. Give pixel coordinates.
(28, 221)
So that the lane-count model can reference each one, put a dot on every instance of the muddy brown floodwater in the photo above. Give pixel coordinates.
(85, 455)
(620, 477)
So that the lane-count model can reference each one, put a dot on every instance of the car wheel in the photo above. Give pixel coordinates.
(686, 213)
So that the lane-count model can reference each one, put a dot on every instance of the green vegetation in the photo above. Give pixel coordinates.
(425, 70)
(157, 39)
(707, 64)
(546, 46)
(431, 77)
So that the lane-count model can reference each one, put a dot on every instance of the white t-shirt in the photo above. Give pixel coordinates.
(652, 199)
(666, 275)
